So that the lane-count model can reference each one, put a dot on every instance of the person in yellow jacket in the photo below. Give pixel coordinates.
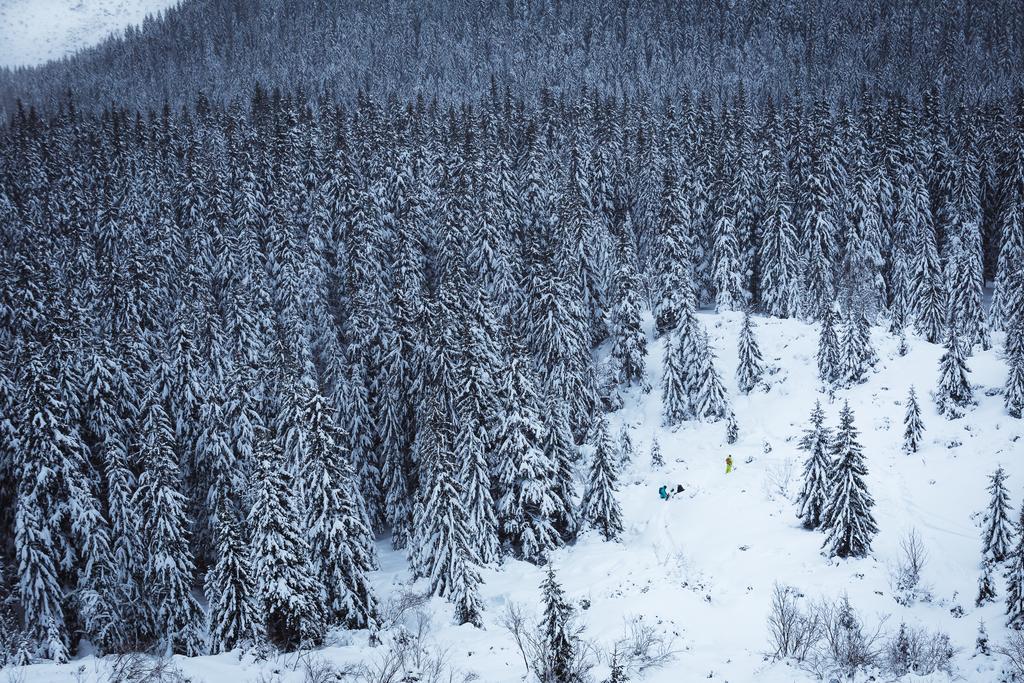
(728, 464)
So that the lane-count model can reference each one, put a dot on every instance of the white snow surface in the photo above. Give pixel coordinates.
(702, 566)
(33, 32)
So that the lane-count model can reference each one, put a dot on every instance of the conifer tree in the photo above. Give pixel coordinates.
(675, 267)
(1008, 299)
(560, 643)
(778, 257)
(629, 345)
(290, 598)
(813, 497)
(625, 445)
(981, 646)
(857, 355)
(523, 473)
(445, 551)
(930, 308)
(169, 568)
(1013, 393)
(562, 453)
(726, 269)
(829, 368)
(953, 393)
(229, 589)
(1015, 580)
(986, 588)
(600, 506)
(475, 484)
(708, 396)
(997, 532)
(657, 461)
(732, 429)
(912, 425)
(341, 546)
(846, 519)
(675, 401)
(751, 364)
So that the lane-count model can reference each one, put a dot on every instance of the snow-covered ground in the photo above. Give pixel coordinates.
(702, 566)
(35, 31)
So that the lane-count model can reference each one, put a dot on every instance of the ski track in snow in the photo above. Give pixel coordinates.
(702, 566)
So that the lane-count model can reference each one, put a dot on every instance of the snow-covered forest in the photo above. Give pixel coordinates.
(282, 363)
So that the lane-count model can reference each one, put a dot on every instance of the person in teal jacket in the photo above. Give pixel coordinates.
(663, 492)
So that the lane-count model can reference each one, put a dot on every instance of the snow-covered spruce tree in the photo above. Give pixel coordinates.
(675, 400)
(675, 267)
(912, 425)
(341, 547)
(229, 588)
(930, 291)
(953, 393)
(997, 529)
(475, 485)
(708, 396)
(779, 264)
(819, 239)
(559, 649)
(600, 505)
(986, 587)
(1013, 393)
(751, 364)
(857, 355)
(981, 646)
(1008, 299)
(829, 367)
(657, 460)
(446, 556)
(732, 428)
(726, 269)
(289, 596)
(813, 496)
(1015, 580)
(629, 344)
(562, 452)
(625, 445)
(169, 568)
(522, 472)
(846, 518)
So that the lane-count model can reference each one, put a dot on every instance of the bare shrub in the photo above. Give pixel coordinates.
(643, 647)
(409, 655)
(919, 652)
(1014, 653)
(529, 639)
(136, 667)
(905, 576)
(778, 479)
(847, 645)
(792, 630)
(397, 608)
(316, 669)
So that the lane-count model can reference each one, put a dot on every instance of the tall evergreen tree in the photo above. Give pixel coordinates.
(560, 644)
(813, 497)
(829, 368)
(629, 345)
(846, 519)
(290, 598)
(169, 569)
(1015, 580)
(600, 506)
(912, 425)
(997, 531)
(953, 393)
(751, 364)
(230, 590)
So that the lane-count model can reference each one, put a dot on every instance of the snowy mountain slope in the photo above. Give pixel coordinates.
(35, 31)
(702, 565)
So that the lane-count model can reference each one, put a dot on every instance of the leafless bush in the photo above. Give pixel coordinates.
(643, 647)
(409, 655)
(532, 646)
(316, 669)
(397, 608)
(1014, 653)
(847, 644)
(792, 630)
(918, 651)
(140, 668)
(778, 479)
(905, 576)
